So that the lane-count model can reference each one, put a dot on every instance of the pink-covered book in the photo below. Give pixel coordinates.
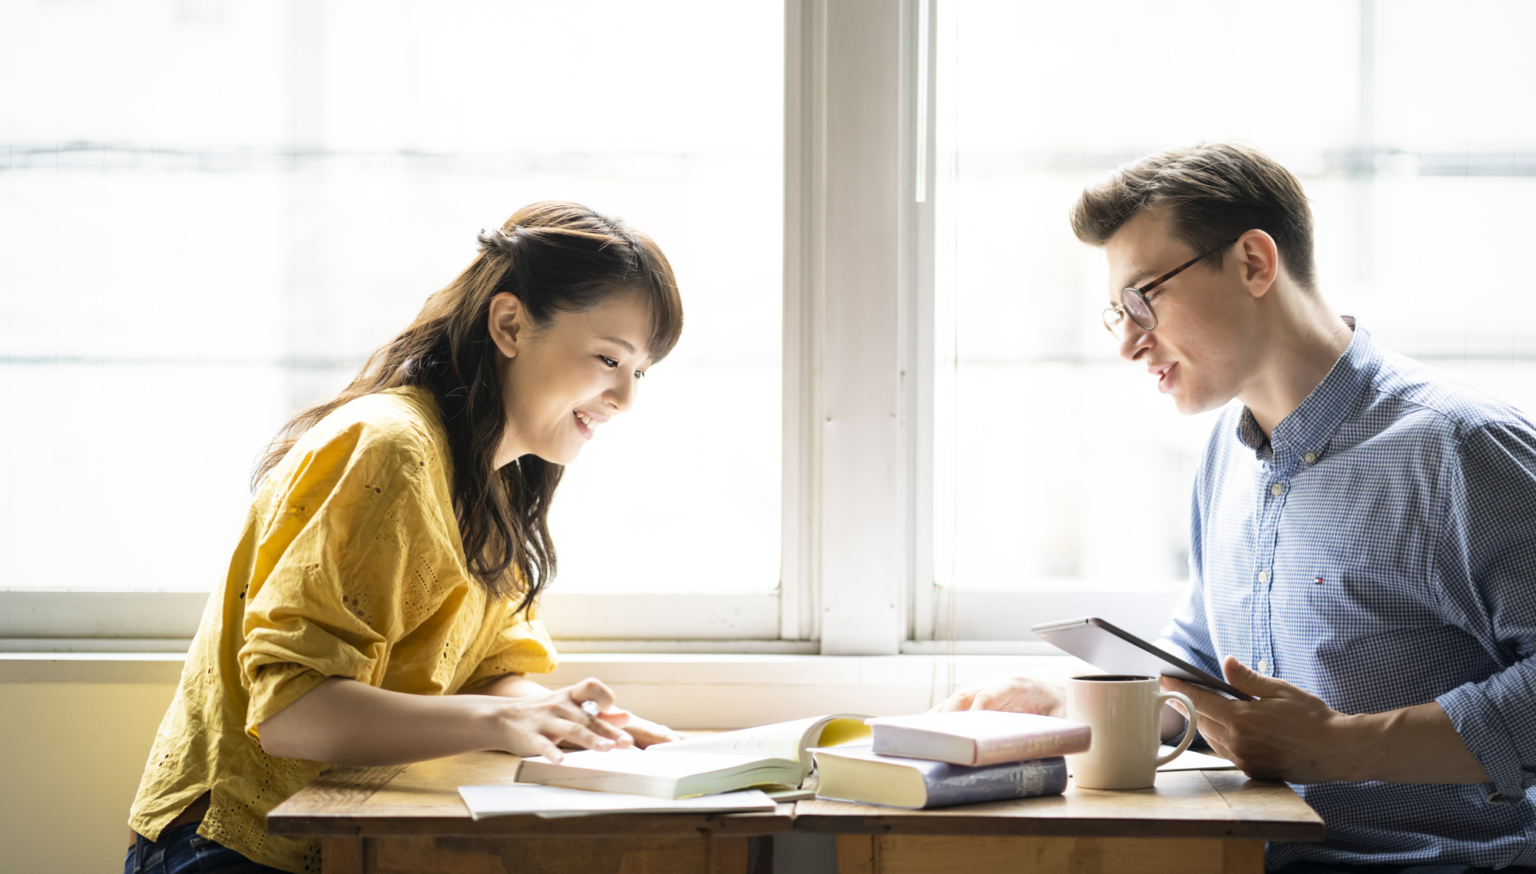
(978, 737)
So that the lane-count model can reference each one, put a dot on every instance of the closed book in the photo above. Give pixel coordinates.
(979, 737)
(856, 773)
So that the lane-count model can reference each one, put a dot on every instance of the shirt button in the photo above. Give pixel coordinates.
(1277, 490)
(1311, 457)
(1263, 576)
(1263, 666)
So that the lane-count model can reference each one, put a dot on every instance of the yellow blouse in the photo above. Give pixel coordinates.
(350, 565)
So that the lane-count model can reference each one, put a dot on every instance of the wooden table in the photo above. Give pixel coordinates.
(410, 818)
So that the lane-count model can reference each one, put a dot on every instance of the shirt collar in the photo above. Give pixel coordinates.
(1311, 425)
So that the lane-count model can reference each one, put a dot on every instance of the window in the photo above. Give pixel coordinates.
(894, 420)
(212, 211)
(1402, 122)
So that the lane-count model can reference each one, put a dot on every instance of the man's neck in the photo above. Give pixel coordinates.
(1302, 341)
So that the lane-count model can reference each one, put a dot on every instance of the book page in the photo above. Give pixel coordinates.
(780, 740)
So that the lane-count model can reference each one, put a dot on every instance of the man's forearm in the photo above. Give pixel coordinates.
(1287, 733)
(1412, 745)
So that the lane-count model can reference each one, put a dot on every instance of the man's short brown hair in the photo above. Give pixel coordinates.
(1213, 193)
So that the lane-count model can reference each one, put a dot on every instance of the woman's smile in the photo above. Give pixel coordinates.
(587, 423)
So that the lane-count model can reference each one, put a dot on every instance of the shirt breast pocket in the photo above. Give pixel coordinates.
(1343, 608)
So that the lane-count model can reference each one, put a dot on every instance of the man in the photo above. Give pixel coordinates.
(1363, 534)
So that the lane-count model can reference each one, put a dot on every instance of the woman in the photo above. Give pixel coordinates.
(398, 542)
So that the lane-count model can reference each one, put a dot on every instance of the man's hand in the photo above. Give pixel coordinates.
(1016, 694)
(1291, 735)
(1287, 734)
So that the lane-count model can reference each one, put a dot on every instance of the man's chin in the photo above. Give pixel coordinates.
(1189, 404)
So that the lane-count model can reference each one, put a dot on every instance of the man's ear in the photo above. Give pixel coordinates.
(1258, 260)
(506, 323)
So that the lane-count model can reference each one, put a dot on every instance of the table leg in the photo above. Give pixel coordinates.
(856, 854)
(727, 855)
(341, 855)
(957, 854)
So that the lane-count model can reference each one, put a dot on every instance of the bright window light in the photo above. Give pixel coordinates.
(211, 211)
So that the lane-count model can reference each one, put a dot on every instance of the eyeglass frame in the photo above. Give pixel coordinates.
(1122, 310)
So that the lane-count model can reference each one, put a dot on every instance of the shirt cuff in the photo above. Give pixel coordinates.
(276, 687)
(1482, 729)
(524, 648)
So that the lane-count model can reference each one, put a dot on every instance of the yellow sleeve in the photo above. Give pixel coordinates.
(348, 576)
(522, 646)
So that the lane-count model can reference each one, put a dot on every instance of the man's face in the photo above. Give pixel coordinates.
(1203, 349)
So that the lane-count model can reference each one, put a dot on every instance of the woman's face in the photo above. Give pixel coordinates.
(563, 380)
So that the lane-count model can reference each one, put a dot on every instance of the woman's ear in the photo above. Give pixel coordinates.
(1259, 260)
(506, 323)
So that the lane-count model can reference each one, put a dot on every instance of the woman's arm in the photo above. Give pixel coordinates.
(643, 731)
(345, 722)
(508, 686)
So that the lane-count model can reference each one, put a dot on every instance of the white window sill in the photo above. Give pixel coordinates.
(698, 690)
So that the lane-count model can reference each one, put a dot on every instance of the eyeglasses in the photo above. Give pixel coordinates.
(1134, 303)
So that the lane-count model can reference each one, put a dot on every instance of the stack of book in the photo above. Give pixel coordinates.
(932, 760)
(942, 759)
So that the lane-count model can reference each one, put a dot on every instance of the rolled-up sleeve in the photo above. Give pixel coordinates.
(342, 589)
(522, 646)
(1487, 586)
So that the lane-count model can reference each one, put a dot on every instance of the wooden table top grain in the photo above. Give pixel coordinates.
(1184, 804)
(423, 799)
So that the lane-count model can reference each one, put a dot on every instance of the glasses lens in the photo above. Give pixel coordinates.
(1138, 309)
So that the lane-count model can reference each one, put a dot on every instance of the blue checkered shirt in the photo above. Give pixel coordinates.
(1380, 552)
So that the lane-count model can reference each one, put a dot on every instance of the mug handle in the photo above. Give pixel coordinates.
(1189, 733)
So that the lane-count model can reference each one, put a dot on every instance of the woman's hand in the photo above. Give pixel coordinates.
(534, 725)
(1016, 694)
(643, 731)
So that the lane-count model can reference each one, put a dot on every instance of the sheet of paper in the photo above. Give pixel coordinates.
(1189, 760)
(551, 802)
(633, 761)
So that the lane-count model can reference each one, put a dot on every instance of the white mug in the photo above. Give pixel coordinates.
(1124, 712)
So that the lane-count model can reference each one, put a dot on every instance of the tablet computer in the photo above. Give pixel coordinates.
(1117, 651)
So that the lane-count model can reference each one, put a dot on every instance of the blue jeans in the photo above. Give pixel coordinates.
(181, 850)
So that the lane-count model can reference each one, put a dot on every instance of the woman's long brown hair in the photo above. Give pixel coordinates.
(555, 257)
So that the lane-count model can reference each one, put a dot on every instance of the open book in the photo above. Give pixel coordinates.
(777, 755)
